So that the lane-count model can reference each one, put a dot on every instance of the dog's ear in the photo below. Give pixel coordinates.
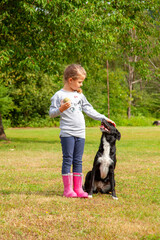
(118, 135)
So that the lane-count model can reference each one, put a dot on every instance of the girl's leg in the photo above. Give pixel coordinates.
(68, 144)
(67, 149)
(77, 167)
(77, 155)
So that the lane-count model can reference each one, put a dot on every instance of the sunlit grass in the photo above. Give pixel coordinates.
(31, 202)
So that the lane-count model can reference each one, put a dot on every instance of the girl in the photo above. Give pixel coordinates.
(69, 102)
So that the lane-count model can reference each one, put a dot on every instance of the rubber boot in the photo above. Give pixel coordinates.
(68, 185)
(77, 183)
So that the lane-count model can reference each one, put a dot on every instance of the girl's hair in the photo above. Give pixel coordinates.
(74, 71)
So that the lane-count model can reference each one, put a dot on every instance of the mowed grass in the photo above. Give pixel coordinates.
(31, 189)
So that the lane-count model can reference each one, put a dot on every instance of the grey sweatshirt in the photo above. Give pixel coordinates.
(72, 122)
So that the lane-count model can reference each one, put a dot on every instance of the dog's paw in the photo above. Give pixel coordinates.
(115, 198)
(89, 196)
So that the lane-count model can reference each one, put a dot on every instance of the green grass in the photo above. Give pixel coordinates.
(31, 202)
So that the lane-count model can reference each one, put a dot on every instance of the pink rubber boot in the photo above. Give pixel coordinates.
(68, 185)
(77, 182)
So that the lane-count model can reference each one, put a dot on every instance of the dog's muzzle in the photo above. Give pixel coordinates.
(104, 128)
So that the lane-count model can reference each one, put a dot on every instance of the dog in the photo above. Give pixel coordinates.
(157, 123)
(101, 178)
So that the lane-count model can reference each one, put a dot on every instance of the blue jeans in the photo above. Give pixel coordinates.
(72, 149)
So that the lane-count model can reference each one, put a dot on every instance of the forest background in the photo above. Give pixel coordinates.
(115, 41)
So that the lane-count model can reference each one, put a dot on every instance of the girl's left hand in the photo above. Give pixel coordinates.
(113, 123)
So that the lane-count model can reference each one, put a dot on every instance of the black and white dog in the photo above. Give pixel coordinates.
(101, 178)
(157, 123)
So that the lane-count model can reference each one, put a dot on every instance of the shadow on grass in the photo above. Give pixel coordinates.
(32, 140)
(28, 193)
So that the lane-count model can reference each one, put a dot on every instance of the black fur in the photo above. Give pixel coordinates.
(93, 181)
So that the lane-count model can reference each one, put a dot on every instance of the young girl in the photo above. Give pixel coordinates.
(69, 102)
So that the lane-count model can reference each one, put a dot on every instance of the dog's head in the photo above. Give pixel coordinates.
(109, 129)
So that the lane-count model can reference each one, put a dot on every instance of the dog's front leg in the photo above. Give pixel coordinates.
(111, 178)
(92, 182)
(91, 187)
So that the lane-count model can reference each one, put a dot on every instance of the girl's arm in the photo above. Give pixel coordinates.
(91, 112)
(54, 108)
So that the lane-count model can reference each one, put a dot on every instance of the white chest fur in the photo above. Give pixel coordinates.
(105, 159)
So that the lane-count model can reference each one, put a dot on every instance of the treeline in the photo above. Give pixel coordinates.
(39, 38)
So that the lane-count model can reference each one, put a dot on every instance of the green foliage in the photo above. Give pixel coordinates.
(39, 38)
(134, 121)
(39, 122)
(6, 103)
(6, 123)
(30, 95)
(95, 86)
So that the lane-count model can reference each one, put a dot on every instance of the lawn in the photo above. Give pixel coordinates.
(31, 202)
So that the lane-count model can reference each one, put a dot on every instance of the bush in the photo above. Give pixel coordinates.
(134, 121)
(6, 123)
(40, 122)
(55, 122)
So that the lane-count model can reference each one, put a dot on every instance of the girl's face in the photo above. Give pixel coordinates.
(75, 84)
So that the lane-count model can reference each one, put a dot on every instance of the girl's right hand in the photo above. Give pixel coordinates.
(64, 106)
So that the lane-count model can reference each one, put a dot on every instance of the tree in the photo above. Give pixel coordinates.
(5, 107)
(2, 133)
(137, 40)
(39, 38)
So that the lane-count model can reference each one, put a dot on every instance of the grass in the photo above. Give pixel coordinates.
(31, 202)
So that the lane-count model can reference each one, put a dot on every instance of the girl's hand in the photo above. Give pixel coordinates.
(113, 123)
(64, 106)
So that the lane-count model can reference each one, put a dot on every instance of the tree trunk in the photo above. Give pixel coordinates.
(2, 133)
(130, 101)
(131, 74)
(130, 82)
(108, 91)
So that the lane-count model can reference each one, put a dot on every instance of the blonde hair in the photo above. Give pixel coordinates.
(74, 71)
